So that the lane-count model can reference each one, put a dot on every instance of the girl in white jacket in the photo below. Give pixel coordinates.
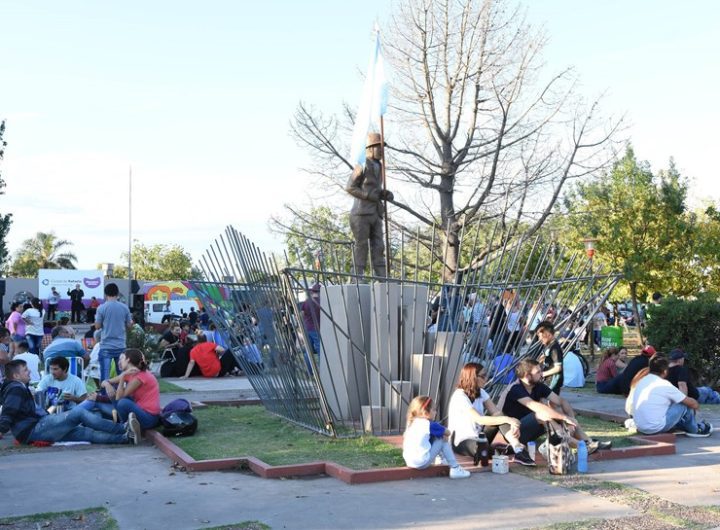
(424, 439)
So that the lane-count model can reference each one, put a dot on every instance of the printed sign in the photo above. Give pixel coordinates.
(64, 280)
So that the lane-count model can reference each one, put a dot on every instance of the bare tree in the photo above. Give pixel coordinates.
(476, 127)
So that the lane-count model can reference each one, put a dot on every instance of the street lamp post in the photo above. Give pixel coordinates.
(589, 243)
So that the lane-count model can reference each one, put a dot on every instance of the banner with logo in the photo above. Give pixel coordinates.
(91, 282)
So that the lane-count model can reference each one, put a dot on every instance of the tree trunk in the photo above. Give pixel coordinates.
(633, 297)
(450, 230)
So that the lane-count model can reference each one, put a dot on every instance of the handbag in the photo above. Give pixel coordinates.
(156, 366)
(560, 458)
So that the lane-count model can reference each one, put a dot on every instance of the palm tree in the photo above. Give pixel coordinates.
(44, 251)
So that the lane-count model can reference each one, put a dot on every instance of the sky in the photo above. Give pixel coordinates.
(198, 100)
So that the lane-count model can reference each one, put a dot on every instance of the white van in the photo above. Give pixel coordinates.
(156, 310)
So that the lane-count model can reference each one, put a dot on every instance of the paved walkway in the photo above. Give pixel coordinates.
(141, 490)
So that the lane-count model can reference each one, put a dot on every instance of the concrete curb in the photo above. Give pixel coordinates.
(263, 470)
(649, 445)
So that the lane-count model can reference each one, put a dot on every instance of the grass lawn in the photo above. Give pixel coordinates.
(97, 518)
(168, 387)
(606, 430)
(225, 432)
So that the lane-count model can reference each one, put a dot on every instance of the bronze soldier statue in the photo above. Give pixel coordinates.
(365, 184)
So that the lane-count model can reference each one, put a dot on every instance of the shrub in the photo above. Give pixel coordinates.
(694, 326)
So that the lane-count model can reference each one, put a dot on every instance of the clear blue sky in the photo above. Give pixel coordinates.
(199, 97)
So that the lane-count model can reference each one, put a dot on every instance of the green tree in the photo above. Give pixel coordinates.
(5, 219)
(697, 269)
(694, 326)
(317, 234)
(157, 262)
(44, 251)
(640, 222)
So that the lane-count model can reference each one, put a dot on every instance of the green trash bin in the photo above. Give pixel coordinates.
(611, 336)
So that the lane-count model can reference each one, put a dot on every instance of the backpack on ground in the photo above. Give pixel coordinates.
(560, 457)
(177, 418)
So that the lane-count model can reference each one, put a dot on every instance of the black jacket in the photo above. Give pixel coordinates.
(18, 410)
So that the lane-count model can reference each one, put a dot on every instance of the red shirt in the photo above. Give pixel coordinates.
(147, 395)
(205, 357)
(606, 371)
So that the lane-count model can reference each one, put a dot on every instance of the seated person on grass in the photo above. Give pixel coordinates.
(22, 352)
(69, 387)
(657, 406)
(208, 359)
(63, 344)
(134, 391)
(253, 356)
(605, 382)
(679, 376)
(534, 404)
(30, 423)
(472, 412)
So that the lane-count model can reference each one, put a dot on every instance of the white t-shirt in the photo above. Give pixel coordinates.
(652, 398)
(599, 321)
(460, 420)
(33, 364)
(573, 376)
(416, 443)
(35, 327)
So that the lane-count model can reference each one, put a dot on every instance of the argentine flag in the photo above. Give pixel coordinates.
(373, 103)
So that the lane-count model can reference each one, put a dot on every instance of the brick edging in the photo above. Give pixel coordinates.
(654, 445)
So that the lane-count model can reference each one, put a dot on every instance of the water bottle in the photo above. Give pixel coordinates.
(531, 450)
(582, 457)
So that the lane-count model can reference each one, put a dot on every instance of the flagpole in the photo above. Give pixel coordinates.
(384, 183)
(130, 293)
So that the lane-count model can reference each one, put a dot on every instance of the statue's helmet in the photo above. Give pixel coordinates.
(373, 139)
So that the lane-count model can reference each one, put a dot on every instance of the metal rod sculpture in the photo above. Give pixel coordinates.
(385, 340)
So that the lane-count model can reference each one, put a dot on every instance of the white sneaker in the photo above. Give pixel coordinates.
(630, 424)
(440, 460)
(458, 472)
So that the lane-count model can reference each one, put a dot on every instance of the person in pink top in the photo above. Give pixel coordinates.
(16, 324)
(134, 392)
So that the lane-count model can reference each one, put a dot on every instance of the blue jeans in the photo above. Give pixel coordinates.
(105, 357)
(708, 396)
(679, 416)
(314, 337)
(78, 425)
(124, 407)
(34, 342)
(438, 446)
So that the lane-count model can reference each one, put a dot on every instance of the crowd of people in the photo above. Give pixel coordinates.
(530, 401)
(661, 397)
(56, 407)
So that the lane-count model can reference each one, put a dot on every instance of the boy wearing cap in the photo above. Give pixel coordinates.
(679, 376)
(366, 185)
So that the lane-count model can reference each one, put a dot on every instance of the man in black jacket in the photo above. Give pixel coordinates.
(30, 423)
